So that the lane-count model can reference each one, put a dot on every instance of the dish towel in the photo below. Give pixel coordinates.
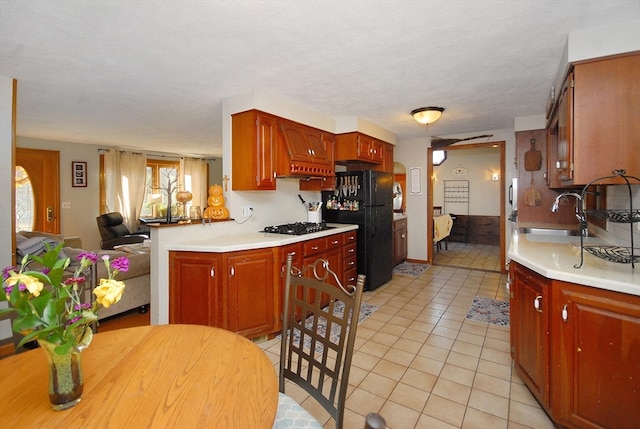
(442, 226)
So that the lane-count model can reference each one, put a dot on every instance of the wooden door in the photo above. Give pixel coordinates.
(43, 170)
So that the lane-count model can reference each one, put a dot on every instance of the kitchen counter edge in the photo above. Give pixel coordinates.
(556, 261)
(253, 240)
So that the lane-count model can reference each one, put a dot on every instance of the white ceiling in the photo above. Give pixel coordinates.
(153, 74)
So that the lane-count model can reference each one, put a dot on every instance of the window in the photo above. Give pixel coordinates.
(161, 175)
(439, 156)
(25, 201)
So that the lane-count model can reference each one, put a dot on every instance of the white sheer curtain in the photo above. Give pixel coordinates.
(194, 179)
(125, 177)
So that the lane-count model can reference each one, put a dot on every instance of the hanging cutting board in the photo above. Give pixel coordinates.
(532, 158)
(532, 195)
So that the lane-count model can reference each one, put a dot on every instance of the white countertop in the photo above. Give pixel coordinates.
(555, 257)
(254, 240)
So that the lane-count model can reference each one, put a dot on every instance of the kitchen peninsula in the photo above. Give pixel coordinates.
(223, 275)
(575, 332)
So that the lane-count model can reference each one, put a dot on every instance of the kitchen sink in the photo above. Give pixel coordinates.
(549, 231)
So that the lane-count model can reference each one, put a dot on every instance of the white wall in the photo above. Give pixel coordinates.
(6, 181)
(413, 153)
(80, 219)
(479, 164)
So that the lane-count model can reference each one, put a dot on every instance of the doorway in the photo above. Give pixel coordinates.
(464, 250)
(38, 203)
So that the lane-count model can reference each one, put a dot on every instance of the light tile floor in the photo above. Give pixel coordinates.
(464, 255)
(421, 364)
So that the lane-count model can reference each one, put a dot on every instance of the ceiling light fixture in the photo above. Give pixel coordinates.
(427, 115)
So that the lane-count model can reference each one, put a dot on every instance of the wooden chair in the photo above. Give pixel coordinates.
(313, 358)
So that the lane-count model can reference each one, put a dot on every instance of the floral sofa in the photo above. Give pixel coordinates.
(137, 293)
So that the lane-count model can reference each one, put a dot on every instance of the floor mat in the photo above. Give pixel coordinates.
(489, 310)
(410, 269)
(366, 310)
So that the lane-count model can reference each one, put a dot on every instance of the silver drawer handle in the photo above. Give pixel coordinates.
(536, 303)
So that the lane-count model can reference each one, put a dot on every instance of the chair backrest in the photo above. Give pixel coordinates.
(111, 226)
(317, 337)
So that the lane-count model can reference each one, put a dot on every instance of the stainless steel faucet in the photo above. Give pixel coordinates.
(579, 209)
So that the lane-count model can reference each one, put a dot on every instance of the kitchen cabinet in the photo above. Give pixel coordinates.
(399, 241)
(387, 158)
(304, 144)
(233, 290)
(593, 127)
(359, 147)
(242, 291)
(576, 348)
(250, 292)
(595, 349)
(194, 288)
(254, 137)
(529, 319)
(350, 254)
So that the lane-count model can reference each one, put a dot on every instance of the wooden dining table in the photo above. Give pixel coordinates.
(160, 376)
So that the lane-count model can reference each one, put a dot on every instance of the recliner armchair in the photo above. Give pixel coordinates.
(114, 232)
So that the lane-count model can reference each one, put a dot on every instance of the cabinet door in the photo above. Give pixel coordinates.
(564, 153)
(296, 143)
(399, 241)
(194, 287)
(529, 316)
(250, 292)
(253, 151)
(317, 146)
(596, 355)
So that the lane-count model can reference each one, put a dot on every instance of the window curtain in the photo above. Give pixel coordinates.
(125, 177)
(193, 173)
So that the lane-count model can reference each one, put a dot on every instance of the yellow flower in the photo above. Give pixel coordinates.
(109, 292)
(33, 285)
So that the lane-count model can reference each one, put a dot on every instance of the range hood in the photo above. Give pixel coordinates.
(302, 151)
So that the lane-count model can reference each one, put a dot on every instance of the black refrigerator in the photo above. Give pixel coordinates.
(365, 198)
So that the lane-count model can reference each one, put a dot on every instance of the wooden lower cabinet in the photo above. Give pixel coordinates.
(592, 350)
(249, 292)
(195, 288)
(400, 241)
(529, 318)
(595, 351)
(233, 290)
(243, 291)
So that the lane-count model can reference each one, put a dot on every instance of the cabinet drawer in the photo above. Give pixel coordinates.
(350, 237)
(350, 277)
(350, 263)
(334, 241)
(400, 224)
(349, 251)
(314, 246)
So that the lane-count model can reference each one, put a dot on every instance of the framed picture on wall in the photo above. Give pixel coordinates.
(78, 174)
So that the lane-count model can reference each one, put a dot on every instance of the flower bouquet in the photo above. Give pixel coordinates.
(51, 311)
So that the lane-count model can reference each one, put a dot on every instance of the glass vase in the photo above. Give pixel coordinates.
(66, 382)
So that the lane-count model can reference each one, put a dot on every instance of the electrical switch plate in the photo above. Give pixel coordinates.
(66, 205)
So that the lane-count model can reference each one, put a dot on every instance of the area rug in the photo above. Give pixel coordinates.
(412, 269)
(366, 310)
(489, 310)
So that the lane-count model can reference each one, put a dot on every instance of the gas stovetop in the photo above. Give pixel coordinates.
(298, 228)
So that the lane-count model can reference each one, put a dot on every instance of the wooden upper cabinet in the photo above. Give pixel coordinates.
(304, 143)
(359, 147)
(595, 127)
(253, 151)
